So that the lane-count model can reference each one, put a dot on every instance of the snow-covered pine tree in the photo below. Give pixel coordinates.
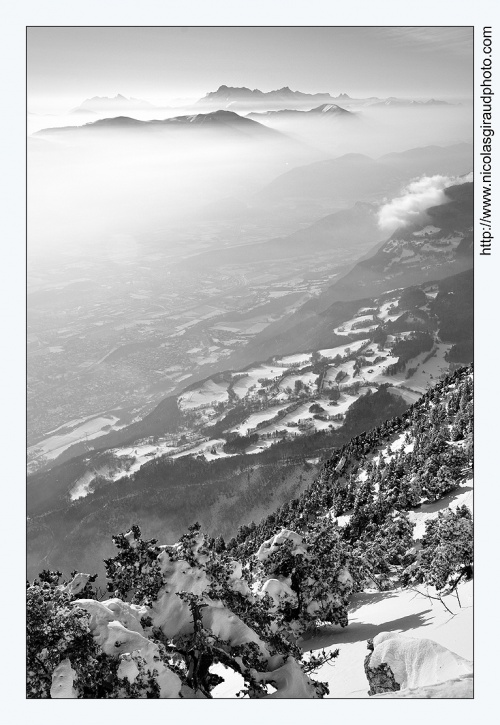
(178, 611)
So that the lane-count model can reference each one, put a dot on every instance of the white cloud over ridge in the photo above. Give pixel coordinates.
(418, 196)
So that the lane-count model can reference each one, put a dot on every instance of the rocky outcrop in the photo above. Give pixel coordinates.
(380, 677)
(399, 663)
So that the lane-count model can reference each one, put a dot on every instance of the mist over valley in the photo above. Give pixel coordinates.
(249, 362)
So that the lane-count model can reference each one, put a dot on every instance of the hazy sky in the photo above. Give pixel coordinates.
(67, 65)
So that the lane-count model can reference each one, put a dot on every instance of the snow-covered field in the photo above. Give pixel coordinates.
(352, 325)
(385, 313)
(347, 368)
(375, 373)
(55, 445)
(141, 454)
(298, 359)
(302, 411)
(204, 399)
(343, 350)
(255, 418)
(210, 392)
(243, 385)
(307, 379)
(427, 373)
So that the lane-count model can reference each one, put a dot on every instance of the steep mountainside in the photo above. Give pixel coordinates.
(359, 177)
(437, 247)
(348, 567)
(355, 228)
(404, 464)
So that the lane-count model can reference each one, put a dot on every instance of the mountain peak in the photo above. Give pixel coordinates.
(331, 108)
(112, 103)
(276, 98)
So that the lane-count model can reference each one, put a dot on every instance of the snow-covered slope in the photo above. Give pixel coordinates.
(388, 519)
(399, 612)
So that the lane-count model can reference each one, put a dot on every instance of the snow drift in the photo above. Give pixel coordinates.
(416, 664)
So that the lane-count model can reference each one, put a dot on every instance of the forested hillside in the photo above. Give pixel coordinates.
(379, 476)
(202, 618)
(433, 249)
(167, 496)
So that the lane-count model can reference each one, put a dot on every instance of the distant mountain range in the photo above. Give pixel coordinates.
(404, 103)
(356, 177)
(222, 119)
(326, 110)
(244, 99)
(118, 103)
(247, 100)
(227, 96)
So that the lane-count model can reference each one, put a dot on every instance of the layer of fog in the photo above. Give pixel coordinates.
(377, 130)
(89, 183)
(91, 187)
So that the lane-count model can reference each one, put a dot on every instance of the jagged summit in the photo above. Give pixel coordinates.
(243, 90)
(243, 98)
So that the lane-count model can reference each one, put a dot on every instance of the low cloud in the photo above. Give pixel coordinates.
(418, 196)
